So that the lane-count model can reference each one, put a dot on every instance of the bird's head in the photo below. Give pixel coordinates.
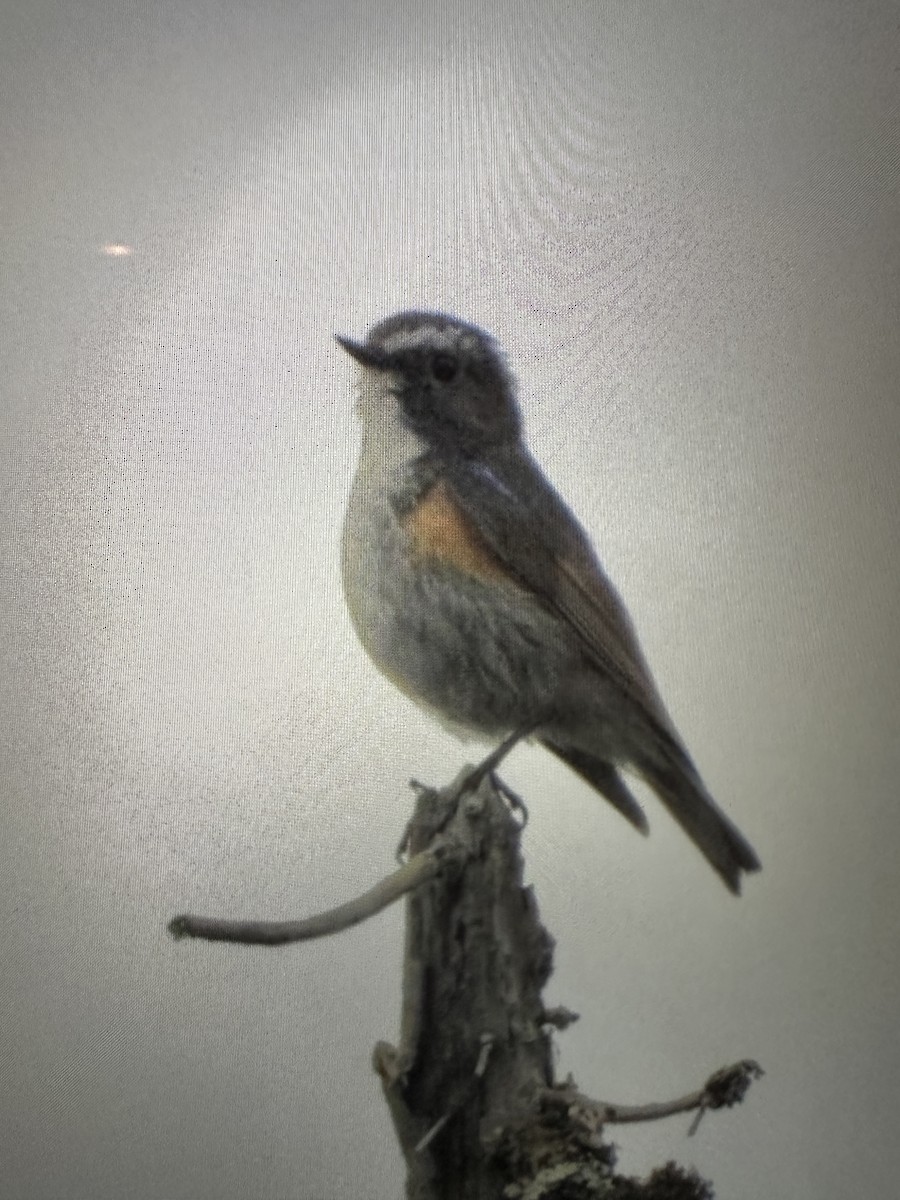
(443, 380)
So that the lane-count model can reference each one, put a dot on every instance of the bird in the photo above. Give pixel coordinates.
(476, 591)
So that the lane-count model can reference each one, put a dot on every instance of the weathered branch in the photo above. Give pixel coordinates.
(411, 875)
(470, 1084)
(724, 1089)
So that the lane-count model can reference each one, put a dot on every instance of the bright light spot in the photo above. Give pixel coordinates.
(116, 250)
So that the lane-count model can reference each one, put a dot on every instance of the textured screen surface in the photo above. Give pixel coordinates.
(681, 222)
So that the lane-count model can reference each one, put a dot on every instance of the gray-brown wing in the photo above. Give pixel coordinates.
(539, 541)
(536, 536)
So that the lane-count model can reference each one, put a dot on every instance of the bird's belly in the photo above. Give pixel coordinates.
(482, 653)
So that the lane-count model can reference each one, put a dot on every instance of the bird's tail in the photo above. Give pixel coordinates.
(681, 790)
(723, 845)
(606, 779)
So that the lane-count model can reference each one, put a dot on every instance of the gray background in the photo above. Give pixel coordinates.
(682, 222)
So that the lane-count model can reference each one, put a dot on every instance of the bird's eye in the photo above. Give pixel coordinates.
(443, 367)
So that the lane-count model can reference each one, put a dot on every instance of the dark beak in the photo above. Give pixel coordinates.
(367, 355)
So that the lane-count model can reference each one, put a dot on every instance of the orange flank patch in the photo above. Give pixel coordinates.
(439, 529)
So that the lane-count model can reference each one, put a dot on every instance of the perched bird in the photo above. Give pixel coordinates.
(475, 590)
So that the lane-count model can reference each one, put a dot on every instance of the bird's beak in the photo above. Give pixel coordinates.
(367, 355)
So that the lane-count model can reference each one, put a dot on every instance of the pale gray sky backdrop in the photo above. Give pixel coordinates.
(682, 222)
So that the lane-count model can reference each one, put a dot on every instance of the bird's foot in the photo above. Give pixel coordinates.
(513, 799)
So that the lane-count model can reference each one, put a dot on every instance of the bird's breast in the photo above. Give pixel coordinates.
(439, 614)
(440, 534)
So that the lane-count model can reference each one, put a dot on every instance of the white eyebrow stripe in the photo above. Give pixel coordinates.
(412, 339)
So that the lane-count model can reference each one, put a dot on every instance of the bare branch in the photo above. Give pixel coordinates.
(413, 874)
(722, 1090)
(470, 1084)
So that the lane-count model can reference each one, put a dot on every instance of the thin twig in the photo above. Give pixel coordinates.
(406, 878)
(487, 1044)
(721, 1090)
